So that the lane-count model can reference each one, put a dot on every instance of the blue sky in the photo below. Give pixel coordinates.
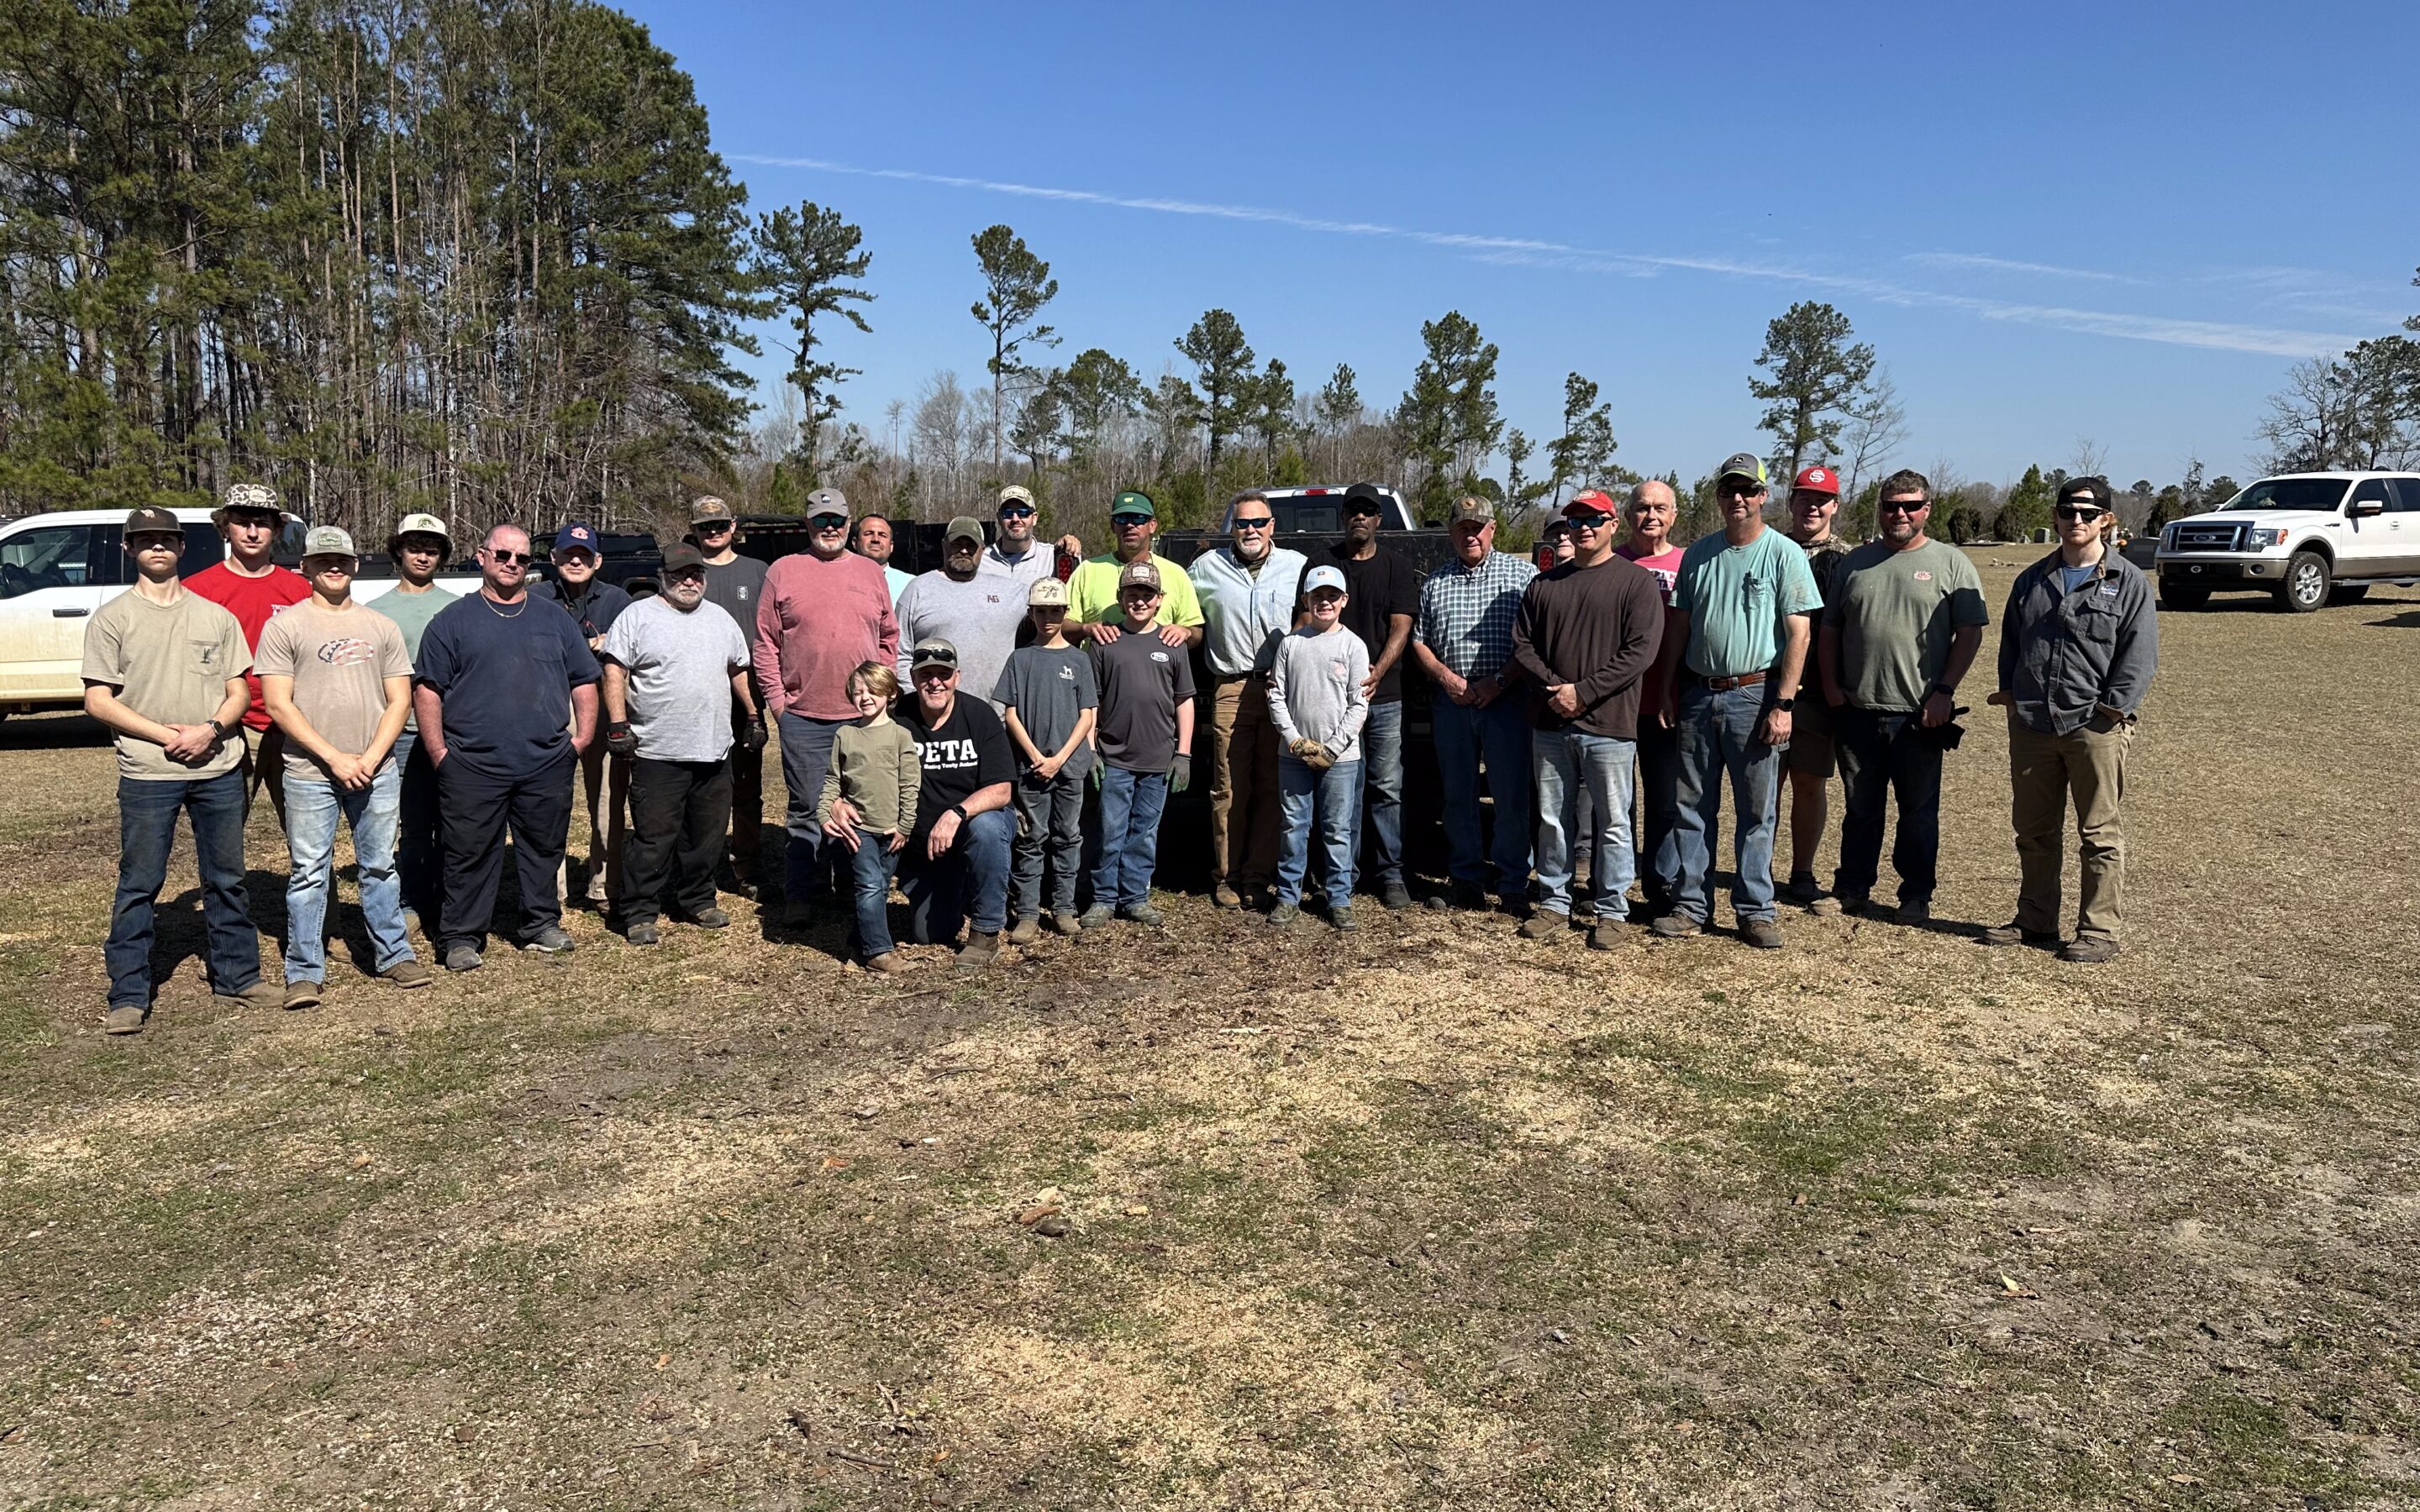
(2120, 221)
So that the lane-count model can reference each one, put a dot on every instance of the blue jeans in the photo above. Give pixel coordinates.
(969, 881)
(1718, 738)
(1886, 755)
(1331, 800)
(1381, 769)
(1659, 787)
(1131, 803)
(420, 834)
(312, 807)
(1500, 735)
(806, 757)
(1050, 827)
(873, 866)
(146, 827)
(1568, 762)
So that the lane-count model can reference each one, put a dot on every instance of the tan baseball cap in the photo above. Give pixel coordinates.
(1046, 593)
(421, 525)
(1139, 573)
(1017, 493)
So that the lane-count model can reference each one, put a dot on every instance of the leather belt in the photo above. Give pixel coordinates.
(1723, 685)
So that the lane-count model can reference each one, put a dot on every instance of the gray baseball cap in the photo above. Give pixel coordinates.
(965, 527)
(826, 501)
(328, 541)
(1742, 465)
(934, 652)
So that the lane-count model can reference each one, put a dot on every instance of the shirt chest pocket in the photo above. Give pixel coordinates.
(207, 658)
(2095, 619)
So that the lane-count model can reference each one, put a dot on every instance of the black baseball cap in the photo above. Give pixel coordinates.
(680, 556)
(1365, 498)
(152, 521)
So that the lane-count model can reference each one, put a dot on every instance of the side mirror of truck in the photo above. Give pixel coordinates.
(2364, 508)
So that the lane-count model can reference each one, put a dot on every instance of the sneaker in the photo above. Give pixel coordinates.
(1675, 926)
(644, 933)
(797, 914)
(1067, 924)
(1608, 933)
(2089, 949)
(979, 950)
(1282, 915)
(1342, 920)
(124, 1018)
(2012, 932)
(1143, 914)
(1097, 917)
(408, 974)
(1918, 911)
(711, 919)
(550, 940)
(1025, 931)
(262, 993)
(1763, 933)
(1825, 906)
(1394, 897)
(1542, 925)
(888, 963)
(302, 994)
(1224, 896)
(1801, 888)
(463, 958)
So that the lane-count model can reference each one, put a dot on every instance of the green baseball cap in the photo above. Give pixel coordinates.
(1131, 503)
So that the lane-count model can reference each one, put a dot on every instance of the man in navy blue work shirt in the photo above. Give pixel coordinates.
(489, 720)
(594, 604)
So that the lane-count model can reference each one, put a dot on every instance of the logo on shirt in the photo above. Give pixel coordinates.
(1160, 655)
(741, 593)
(2109, 590)
(946, 752)
(206, 655)
(1923, 577)
(348, 652)
(1066, 674)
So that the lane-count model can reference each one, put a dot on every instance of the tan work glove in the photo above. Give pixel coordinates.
(1312, 754)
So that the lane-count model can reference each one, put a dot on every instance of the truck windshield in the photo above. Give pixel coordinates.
(2290, 493)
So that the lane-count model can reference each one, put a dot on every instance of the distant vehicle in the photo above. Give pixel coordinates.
(2306, 538)
(56, 569)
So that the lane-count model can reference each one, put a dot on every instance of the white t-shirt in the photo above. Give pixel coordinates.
(680, 663)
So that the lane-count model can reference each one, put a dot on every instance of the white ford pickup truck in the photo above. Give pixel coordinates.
(56, 569)
(2304, 537)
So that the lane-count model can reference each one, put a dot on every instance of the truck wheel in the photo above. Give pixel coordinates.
(2306, 583)
(2173, 596)
(2348, 593)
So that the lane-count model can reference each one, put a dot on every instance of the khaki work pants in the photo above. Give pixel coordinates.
(2044, 772)
(605, 780)
(1245, 815)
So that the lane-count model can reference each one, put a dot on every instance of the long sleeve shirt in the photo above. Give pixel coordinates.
(1244, 612)
(1315, 689)
(2064, 653)
(1597, 628)
(1466, 613)
(816, 622)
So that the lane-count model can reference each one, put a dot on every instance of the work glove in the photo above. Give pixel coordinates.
(1180, 777)
(1096, 775)
(754, 737)
(619, 740)
(1312, 754)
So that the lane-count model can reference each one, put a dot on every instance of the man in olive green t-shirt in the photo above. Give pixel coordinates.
(164, 669)
(1901, 628)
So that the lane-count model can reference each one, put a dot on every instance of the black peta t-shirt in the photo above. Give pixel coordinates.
(968, 752)
(1385, 584)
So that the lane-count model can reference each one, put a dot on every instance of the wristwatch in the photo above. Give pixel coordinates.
(218, 730)
(1944, 691)
(1784, 704)
(960, 809)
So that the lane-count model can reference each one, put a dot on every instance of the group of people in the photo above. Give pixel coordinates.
(938, 734)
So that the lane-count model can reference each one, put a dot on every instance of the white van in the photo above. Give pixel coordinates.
(56, 569)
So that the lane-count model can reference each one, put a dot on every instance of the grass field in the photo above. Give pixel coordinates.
(1426, 1217)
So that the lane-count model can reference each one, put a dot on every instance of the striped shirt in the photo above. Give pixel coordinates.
(1466, 613)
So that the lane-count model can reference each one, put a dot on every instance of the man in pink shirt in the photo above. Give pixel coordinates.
(1652, 512)
(825, 611)
(251, 587)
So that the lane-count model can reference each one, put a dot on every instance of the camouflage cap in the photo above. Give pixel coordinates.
(705, 509)
(1139, 573)
(249, 498)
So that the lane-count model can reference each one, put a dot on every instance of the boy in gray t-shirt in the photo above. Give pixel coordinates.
(1146, 739)
(1316, 702)
(1049, 700)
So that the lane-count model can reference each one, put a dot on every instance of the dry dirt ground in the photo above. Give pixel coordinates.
(1423, 1217)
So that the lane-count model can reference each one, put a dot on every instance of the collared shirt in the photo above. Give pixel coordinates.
(2065, 652)
(1245, 613)
(1039, 560)
(1467, 613)
(1093, 593)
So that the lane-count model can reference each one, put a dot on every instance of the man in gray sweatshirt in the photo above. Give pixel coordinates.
(978, 613)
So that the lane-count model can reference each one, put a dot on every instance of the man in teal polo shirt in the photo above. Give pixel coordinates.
(1733, 655)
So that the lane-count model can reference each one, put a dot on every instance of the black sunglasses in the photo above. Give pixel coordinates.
(828, 522)
(2080, 512)
(715, 527)
(1254, 522)
(1588, 522)
(1740, 490)
(1903, 506)
(509, 559)
(1128, 522)
(1017, 511)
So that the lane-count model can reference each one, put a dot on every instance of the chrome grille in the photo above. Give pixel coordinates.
(2207, 539)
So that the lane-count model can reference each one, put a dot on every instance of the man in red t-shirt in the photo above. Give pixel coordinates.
(251, 587)
(1652, 512)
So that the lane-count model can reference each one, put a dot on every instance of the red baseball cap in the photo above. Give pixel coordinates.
(1590, 501)
(1818, 478)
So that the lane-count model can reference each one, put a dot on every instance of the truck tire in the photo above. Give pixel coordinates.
(2348, 593)
(2177, 598)
(2306, 583)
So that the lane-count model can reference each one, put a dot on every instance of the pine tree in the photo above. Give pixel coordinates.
(808, 259)
(1814, 377)
(1584, 453)
(1017, 284)
(1448, 419)
(1223, 366)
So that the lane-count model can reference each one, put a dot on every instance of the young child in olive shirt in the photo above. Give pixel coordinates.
(875, 769)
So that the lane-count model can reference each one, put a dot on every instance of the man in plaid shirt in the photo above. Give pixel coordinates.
(1464, 640)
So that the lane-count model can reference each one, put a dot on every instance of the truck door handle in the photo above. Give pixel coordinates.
(69, 613)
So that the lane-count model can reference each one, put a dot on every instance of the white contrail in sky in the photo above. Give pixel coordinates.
(1532, 253)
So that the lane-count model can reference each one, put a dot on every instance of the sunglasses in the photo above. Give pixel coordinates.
(1362, 511)
(1740, 490)
(1130, 522)
(829, 523)
(1903, 506)
(1588, 522)
(1017, 511)
(509, 559)
(687, 575)
(1254, 522)
(2080, 512)
(715, 527)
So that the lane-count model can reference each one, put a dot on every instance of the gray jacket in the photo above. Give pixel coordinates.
(2062, 655)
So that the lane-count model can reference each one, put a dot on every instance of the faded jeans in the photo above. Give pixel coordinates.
(968, 884)
(1381, 769)
(1718, 742)
(1131, 803)
(1570, 762)
(313, 806)
(147, 828)
(1327, 799)
(1498, 734)
(870, 868)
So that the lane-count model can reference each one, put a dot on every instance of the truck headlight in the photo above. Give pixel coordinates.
(2262, 537)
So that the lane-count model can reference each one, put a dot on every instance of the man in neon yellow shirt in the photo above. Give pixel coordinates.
(1092, 607)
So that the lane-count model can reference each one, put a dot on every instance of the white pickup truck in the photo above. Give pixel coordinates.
(2304, 537)
(56, 569)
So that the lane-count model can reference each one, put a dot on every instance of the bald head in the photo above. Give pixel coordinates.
(1650, 511)
(505, 561)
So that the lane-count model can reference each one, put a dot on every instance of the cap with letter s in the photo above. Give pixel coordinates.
(1742, 465)
(1323, 576)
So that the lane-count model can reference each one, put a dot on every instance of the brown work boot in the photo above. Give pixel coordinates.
(406, 974)
(1068, 924)
(124, 1018)
(1544, 925)
(1761, 932)
(302, 994)
(2090, 949)
(1224, 896)
(1025, 931)
(1609, 933)
(2012, 932)
(979, 950)
(888, 963)
(261, 994)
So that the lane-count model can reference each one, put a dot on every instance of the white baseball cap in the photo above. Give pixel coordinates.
(1324, 578)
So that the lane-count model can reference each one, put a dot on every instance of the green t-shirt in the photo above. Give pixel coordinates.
(1894, 613)
(1093, 593)
(169, 662)
(1737, 598)
(411, 613)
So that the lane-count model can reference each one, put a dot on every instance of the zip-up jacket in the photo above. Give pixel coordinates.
(2062, 655)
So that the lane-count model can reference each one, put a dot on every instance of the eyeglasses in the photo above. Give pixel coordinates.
(2080, 512)
(1017, 511)
(509, 559)
(1903, 506)
(829, 523)
(1254, 522)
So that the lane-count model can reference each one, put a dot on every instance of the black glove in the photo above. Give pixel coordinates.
(619, 740)
(1947, 734)
(1180, 777)
(754, 737)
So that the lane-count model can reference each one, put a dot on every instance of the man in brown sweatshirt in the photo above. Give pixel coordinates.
(1588, 633)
